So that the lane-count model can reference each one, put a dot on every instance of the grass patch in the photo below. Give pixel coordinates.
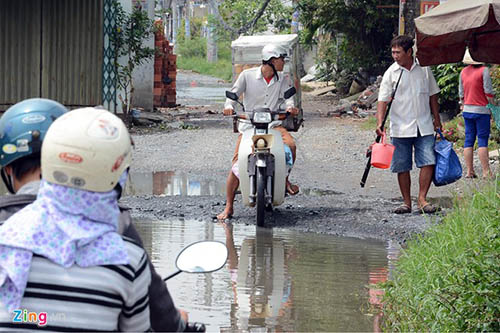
(306, 88)
(370, 124)
(221, 69)
(448, 280)
(192, 55)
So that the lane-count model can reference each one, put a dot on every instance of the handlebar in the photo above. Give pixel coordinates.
(246, 114)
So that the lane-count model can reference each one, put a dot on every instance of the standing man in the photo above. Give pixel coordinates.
(262, 87)
(414, 118)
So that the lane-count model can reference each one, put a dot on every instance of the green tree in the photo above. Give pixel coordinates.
(131, 32)
(246, 17)
(360, 32)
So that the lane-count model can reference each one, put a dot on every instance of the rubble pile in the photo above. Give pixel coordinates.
(165, 71)
(360, 105)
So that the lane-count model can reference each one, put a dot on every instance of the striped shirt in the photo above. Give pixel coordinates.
(97, 298)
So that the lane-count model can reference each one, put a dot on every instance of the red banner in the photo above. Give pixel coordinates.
(425, 6)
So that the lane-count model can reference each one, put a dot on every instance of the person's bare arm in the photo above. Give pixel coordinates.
(491, 100)
(381, 110)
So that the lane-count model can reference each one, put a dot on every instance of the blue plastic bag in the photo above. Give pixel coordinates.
(288, 158)
(448, 168)
(495, 112)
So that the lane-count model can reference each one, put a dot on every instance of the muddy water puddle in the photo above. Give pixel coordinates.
(195, 89)
(191, 96)
(168, 183)
(274, 280)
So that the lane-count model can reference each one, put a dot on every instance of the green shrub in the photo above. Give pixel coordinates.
(193, 56)
(221, 69)
(448, 280)
(454, 130)
(447, 78)
(194, 47)
(495, 78)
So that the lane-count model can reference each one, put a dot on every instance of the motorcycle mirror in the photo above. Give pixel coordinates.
(231, 95)
(201, 257)
(289, 93)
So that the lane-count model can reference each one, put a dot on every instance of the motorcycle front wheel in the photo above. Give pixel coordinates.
(261, 197)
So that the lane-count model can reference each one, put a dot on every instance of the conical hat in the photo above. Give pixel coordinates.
(468, 59)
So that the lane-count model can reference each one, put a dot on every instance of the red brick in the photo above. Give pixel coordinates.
(157, 100)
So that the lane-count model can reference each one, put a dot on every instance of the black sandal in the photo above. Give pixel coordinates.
(403, 209)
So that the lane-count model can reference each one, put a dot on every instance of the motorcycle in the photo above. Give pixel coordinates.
(200, 257)
(262, 164)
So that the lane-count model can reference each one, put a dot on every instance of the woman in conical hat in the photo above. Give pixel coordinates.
(476, 92)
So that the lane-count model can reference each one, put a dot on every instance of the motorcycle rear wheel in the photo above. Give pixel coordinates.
(261, 197)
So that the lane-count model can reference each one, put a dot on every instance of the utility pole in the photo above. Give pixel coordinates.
(187, 17)
(295, 19)
(175, 22)
(211, 35)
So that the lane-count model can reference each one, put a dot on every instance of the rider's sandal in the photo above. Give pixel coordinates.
(292, 189)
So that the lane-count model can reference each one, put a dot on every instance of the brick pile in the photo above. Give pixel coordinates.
(165, 71)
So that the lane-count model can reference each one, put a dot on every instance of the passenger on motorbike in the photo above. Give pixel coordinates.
(262, 87)
(22, 131)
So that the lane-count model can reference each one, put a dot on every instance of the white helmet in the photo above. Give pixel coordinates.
(88, 149)
(272, 51)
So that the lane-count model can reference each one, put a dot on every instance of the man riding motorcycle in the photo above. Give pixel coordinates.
(262, 87)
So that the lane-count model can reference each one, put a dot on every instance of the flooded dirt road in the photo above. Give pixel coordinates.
(297, 274)
(330, 162)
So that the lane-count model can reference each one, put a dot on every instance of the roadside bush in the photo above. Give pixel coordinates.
(454, 130)
(193, 57)
(221, 69)
(448, 279)
(193, 47)
(447, 78)
(495, 79)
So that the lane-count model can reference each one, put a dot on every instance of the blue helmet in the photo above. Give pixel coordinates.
(23, 127)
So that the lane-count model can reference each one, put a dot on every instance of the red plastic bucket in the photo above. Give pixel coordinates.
(382, 154)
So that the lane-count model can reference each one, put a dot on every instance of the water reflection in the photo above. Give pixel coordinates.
(381, 275)
(262, 289)
(168, 183)
(274, 280)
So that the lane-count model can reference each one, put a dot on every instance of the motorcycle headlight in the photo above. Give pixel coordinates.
(262, 117)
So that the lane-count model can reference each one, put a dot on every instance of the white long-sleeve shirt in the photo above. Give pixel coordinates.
(257, 93)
